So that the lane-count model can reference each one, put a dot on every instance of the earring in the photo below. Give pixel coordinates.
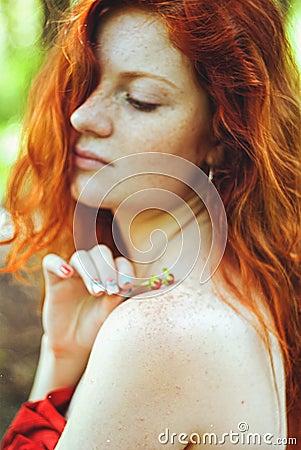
(211, 174)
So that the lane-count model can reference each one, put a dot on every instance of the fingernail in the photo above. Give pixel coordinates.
(66, 270)
(112, 287)
(125, 279)
(97, 287)
(128, 293)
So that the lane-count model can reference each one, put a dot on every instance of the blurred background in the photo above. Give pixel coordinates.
(26, 30)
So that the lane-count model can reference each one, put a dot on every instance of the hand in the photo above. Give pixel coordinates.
(76, 305)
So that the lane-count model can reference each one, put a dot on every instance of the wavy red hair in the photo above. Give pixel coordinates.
(243, 60)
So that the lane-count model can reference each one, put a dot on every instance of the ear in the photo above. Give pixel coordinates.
(215, 156)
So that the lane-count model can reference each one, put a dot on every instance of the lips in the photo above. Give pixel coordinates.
(87, 160)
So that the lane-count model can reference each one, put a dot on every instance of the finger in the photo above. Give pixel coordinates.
(55, 268)
(125, 272)
(104, 263)
(82, 263)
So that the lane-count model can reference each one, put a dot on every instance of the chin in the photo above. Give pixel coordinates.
(89, 197)
(84, 198)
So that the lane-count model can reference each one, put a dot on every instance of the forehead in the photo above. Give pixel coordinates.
(136, 40)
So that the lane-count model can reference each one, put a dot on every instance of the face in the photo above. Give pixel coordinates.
(148, 100)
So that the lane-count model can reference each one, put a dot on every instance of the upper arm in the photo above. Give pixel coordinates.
(155, 367)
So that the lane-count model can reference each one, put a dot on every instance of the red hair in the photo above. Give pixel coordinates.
(243, 60)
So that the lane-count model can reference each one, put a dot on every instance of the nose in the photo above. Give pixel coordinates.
(92, 118)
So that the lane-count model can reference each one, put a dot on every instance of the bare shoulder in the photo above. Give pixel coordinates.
(186, 311)
(215, 365)
(180, 362)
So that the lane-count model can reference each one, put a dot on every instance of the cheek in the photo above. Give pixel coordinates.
(163, 135)
(195, 137)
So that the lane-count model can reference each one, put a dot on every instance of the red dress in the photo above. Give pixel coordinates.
(38, 425)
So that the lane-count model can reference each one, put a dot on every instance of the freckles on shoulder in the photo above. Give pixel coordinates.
(191, 330)
(185, 315)
(189, 350)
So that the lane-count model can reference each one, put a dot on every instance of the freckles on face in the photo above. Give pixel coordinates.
(134, 44)
(148, 99)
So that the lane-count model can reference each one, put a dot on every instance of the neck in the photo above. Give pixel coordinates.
(156, 239)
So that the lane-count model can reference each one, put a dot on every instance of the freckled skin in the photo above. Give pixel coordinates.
(183, 360)
(190, 368)
(113, 128)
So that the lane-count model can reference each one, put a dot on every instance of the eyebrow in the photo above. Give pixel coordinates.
(138, 74)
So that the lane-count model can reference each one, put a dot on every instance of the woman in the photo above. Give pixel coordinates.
(142, 92)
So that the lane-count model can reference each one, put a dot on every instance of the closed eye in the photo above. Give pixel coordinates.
(141, 106)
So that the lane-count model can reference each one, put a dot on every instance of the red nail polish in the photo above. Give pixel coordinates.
(66, 270)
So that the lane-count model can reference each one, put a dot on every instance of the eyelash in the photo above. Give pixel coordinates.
(141, 106)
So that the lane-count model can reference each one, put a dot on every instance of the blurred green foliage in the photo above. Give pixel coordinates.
(21, 53)
(294, 28)
(21, 26)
